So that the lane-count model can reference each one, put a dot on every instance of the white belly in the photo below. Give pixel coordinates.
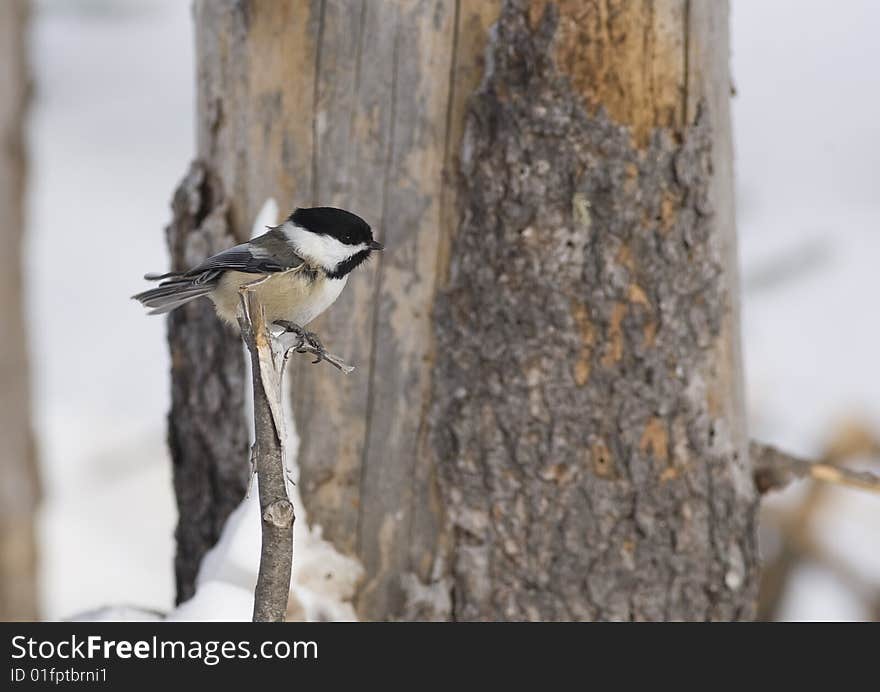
(285, 296)
(324, 294)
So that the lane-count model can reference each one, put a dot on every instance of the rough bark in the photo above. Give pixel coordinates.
(19, 490)
(586, 416)
(207, 432)
(546, 420)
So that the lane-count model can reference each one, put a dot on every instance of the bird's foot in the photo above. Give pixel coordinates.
(304, 339)
(291, 327)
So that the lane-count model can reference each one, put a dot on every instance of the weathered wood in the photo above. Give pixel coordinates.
(250, 87)
(19, 491)
(385, 106)
(338, 103)
(546, 420)
(352, 144)
(255, 63)
(276, 511)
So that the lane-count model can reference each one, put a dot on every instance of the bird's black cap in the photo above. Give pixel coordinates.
(346, 227)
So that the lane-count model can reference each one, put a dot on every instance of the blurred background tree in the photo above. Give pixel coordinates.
(19, 491)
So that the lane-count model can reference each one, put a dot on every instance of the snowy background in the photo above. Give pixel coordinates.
(111, 133)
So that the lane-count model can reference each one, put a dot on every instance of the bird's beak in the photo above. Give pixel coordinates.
(377, 246)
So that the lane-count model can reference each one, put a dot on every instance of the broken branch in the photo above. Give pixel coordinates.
(276, 510)
(775, 469)
(267, 455)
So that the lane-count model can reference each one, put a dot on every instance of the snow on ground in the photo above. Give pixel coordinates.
(112, 133)
(324, 580)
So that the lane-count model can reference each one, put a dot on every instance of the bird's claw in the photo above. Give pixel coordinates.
(291, 327)
(312, 340)
(316, 347)
(304, 339)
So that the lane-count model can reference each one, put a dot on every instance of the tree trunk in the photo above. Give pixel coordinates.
(19, 491)
(546, 422)
(587, 414)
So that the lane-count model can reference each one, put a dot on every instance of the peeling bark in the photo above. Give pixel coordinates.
(19, 491)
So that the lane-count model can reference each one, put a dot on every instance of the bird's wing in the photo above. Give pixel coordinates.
(266, 254)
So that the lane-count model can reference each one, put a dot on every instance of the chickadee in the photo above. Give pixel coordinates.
(306, 262)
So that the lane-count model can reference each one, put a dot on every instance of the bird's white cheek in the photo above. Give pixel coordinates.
(320, 249)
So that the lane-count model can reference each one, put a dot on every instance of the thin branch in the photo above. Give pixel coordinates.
(276, 553)
(319, 352)
(267, 454)
(775, 469)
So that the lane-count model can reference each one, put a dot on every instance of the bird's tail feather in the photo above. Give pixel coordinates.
(172, 294)
(159, 277)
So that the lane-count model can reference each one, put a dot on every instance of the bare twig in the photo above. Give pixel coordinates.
(295, 343)
(276, 553)
(267, 454)
(323, 355)
(796, 525)
(775, 469)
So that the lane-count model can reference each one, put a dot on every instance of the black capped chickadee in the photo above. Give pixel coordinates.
(306, 262)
